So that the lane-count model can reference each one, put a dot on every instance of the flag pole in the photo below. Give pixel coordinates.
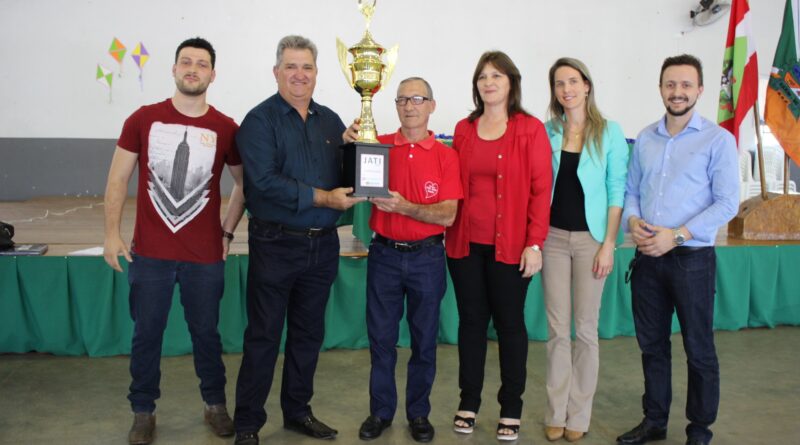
(760, 151)
(785, 173)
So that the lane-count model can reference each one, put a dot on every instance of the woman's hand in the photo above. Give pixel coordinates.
(603, 260)
(530, 262)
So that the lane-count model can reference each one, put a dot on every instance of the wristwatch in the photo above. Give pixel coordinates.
(677, 237)
(228, 235)
(536, 247)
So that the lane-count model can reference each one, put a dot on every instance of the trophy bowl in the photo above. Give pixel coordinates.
(368, 72)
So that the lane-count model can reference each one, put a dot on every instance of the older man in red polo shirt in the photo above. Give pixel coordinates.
(407, 260)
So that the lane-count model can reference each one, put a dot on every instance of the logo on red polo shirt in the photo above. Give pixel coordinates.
(431, 189)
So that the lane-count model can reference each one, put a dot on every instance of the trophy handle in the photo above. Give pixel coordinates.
(391, 61)
(341, 51)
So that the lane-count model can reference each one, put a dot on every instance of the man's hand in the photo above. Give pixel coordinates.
(640, 230)
(530, 263)
(351, 133)
(226, 246)
(659, 243)
(396, 204)
(336, 199)
(122, 165)
(441, 213)
(603, 260)
(112, 248)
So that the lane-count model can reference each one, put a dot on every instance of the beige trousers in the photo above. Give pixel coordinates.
(567, 259)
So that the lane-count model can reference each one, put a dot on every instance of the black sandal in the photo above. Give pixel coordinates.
(469, 421)
(504, 436)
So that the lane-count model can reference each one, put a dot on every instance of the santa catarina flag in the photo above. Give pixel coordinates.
(782, 110)
(739, 71)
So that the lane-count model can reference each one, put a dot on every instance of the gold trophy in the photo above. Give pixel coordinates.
(366, 162)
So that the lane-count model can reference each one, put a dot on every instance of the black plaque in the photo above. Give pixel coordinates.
(366, 169)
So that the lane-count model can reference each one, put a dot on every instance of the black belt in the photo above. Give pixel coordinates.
(686, 250)
(676, 251)
(310, 232)
(409, 246)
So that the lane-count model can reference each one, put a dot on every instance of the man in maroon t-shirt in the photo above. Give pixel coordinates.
(180, 146)
(406, 261)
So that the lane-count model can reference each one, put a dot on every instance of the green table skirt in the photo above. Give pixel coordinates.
(78, 305)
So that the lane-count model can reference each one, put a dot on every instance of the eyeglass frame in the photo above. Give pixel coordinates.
(415, 100)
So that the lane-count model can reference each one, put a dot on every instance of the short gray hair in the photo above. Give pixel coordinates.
(295, 42)
(427, 85)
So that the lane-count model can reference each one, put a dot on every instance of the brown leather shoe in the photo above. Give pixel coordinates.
(573, 436)
(217, 416)
(144, 426)
(553, 433)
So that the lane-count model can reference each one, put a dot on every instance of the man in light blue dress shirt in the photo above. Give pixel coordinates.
(683, 184)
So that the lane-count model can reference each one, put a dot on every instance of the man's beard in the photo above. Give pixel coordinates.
(199, 90)
(685, 110)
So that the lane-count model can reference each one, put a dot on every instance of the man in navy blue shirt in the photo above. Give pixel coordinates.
(683, 184)
(289, 146)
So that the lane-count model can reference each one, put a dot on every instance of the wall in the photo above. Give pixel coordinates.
(50, 48)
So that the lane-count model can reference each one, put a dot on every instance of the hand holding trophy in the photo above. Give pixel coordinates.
(366, 162)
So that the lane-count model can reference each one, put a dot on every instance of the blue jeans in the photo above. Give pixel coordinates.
(394, 277)
(152, 284)
(289, 279)
(682, 281)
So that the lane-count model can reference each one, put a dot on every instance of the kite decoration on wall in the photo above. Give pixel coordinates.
(117, 51)
(140, 56)
(106, 77)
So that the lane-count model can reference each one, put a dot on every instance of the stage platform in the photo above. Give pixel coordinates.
(76, 305)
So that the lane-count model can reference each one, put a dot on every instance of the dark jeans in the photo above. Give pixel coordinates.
(394, 277)
(488, 288)
(152, 284)
(288, 279)
(682, 281)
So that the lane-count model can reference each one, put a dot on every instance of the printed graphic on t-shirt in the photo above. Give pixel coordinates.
(180, 161)
(431, 189)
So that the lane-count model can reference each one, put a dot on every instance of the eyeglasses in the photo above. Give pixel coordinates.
(416, 100)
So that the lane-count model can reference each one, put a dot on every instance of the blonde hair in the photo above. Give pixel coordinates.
(595, 122)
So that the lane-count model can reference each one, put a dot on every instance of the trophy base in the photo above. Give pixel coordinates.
(366, 169)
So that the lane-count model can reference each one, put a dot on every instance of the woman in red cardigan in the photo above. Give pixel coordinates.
(494, 246)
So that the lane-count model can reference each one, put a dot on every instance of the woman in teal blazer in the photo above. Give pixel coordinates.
(590, 159)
